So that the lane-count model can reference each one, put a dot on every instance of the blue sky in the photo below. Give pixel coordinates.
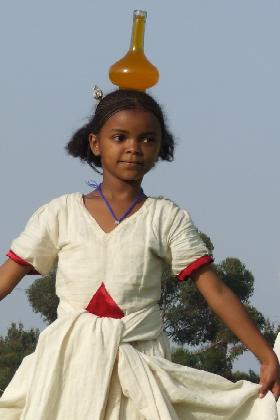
(219, 86)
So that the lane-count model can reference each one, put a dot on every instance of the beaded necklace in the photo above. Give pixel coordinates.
(126, 213)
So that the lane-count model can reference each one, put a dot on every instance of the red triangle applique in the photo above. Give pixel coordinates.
(103, 305)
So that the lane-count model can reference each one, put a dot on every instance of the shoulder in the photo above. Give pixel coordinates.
(63, 200)
(167, 216)
(58, 205)
(168, 208)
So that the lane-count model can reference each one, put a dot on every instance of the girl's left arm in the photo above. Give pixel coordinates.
(231, 311)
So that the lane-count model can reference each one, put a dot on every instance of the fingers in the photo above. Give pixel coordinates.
(275, 389)
(263, 390)
(270, 379)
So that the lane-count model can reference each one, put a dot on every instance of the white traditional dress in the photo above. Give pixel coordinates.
(109, 285)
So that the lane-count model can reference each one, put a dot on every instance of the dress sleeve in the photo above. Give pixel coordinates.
(37, 244)
(186, 249)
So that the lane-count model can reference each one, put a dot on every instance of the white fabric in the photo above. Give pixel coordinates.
(74, 372)
(130, 260)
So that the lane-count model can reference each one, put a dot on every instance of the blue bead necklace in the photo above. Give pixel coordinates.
(126, 213)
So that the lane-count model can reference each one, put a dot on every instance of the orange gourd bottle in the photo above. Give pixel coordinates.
(134, 71)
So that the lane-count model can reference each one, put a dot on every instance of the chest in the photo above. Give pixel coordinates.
(90, 238)
(106, 217)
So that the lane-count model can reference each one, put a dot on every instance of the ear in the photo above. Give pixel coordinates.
(94, 144)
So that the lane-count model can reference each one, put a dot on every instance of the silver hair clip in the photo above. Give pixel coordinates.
(97, 93)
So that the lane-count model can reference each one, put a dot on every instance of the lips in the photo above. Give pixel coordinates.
(131, 162)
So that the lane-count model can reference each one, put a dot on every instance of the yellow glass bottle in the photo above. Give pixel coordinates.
(134, 71)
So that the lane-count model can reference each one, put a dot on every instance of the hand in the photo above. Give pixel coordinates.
(270, 378)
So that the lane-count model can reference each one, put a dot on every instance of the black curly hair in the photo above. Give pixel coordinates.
(116, 101)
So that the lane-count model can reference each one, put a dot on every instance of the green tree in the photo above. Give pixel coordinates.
(17, 344)
(42, 297)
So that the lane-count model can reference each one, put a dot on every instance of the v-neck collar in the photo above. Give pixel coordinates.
(137, 213)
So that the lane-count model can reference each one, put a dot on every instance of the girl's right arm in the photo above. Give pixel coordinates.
(10, 275)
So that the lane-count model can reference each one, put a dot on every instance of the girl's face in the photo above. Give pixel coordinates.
(128, 144)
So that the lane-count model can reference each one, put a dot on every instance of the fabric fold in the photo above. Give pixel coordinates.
(139, 384)
(71, 372)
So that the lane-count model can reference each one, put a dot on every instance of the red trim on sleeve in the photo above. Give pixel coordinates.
(186, 272)
(20, 261)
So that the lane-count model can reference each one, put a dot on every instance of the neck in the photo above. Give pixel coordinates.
(120, 190)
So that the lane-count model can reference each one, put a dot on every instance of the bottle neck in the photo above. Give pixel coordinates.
(137, 36)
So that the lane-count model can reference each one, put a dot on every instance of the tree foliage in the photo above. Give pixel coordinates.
(17, 344)
(42, 297)
(188, 318)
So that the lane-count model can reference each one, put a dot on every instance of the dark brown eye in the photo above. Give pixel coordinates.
(148, 139)
(118, 137)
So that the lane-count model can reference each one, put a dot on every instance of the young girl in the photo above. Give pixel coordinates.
(106, 357)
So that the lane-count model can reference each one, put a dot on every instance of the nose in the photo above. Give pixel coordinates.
(133, 146)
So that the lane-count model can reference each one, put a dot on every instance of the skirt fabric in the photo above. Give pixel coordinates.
(103, 368)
